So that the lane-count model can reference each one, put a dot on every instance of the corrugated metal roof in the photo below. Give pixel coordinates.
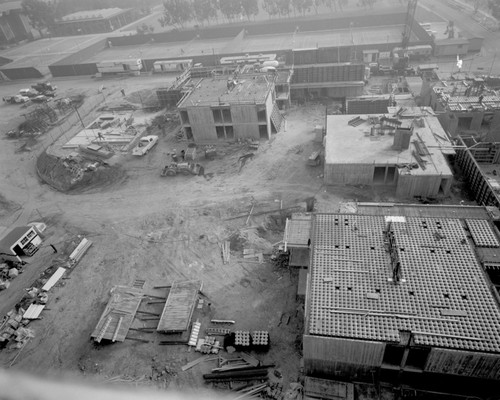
(33, 311)
(54, 278)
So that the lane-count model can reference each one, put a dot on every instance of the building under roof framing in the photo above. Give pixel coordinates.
(403, 288)
(480, 166)
(222, 108)
(467, 106)
(405, 149)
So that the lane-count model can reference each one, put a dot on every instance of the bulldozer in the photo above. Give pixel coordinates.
(184, 168)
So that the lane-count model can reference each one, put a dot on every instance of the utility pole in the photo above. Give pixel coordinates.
(492, 63)
(79, 117)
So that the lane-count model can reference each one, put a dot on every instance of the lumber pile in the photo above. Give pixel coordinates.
(249, 254)
(79, 252)
(226, 251)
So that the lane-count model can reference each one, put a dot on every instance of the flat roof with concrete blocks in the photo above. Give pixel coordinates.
(385, 149)
(443, 296)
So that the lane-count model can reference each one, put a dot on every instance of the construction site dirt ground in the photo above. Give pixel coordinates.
(187, 217)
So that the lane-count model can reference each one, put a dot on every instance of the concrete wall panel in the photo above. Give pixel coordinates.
(202, 123)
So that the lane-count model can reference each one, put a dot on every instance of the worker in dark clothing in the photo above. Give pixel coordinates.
(123, 92)
(183, 155)
(53, 248)
(309, 242)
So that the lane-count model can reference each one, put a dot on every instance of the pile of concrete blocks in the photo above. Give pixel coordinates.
(13, 329)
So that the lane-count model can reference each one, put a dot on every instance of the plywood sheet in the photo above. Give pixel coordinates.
(118, 315)
(179, 306)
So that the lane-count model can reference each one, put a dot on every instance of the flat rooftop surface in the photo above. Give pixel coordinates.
(346, 144)
(161, 50)
(44, 52)
(444, 298)
(92, 14)
(308, 40)
(214, 91)
(255, 44)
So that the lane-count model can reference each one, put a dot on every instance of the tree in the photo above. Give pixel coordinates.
(40, 14)
(204, 10)
(176, 12)
(230, 8)
(494, 6)
(270, 7)
(284, 7)
(301, 6)
(250, 8)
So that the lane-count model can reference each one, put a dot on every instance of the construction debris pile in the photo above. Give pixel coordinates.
(13, 327)
(9, 270)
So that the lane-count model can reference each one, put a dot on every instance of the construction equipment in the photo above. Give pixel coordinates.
(184, 168)
(401, 57)
(314, 159)
(43, 87)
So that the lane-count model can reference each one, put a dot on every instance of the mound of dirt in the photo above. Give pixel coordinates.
(7, 207)
(66, 178)
(145, 97)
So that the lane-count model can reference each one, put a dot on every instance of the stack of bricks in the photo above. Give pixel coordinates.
(242, 338)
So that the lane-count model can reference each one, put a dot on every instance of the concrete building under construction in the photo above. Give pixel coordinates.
(406, 149)
(475, 112)
(405, 293)
(225, 108)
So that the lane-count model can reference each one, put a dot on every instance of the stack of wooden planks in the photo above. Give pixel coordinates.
(226, 251)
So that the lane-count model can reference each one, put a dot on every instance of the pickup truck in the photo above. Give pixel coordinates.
(146, 143)
(28, 92)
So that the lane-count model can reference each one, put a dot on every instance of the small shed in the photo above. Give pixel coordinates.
(21, 241)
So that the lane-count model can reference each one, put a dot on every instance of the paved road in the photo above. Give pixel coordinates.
(488, 60)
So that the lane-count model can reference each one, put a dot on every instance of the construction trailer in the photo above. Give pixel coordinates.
(21, 241)
(406, 149)
(248, 59)
(117, 67)
(406, 294)
(163, 66)
(226, 108)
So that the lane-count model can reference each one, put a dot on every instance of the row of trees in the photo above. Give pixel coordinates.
(43, 14)
(179, 12)
(494, 6)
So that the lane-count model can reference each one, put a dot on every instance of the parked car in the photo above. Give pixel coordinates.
(16, 99)
(40, 99)
(29, 92)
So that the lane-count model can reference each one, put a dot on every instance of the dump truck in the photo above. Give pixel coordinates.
(184, 168)
(43, 87)
(146, 143)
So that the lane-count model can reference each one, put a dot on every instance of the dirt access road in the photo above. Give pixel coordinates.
(186, 216)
